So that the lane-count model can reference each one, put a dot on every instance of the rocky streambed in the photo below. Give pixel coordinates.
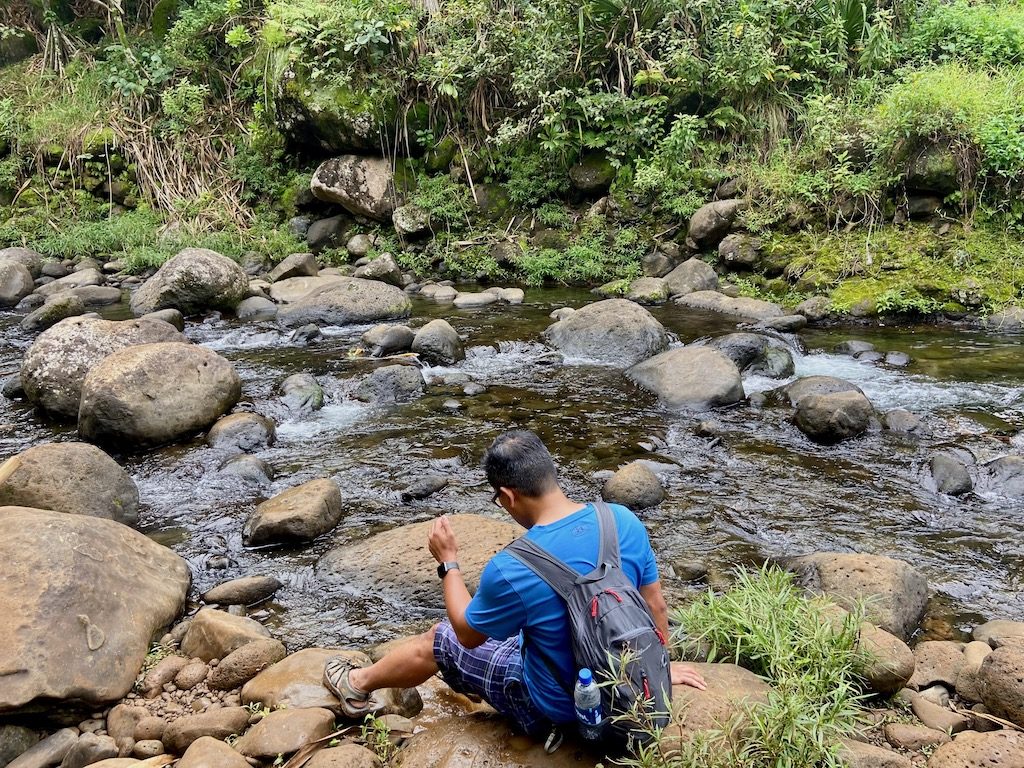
(734, 453)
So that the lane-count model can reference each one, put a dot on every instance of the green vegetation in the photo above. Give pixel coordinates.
(829, 116)
(800, 646)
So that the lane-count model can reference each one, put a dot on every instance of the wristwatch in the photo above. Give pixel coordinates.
(447, 565)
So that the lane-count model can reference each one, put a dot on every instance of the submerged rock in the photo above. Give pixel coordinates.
(424, 487)
(950, 474)
(302, 392)
(156, 393)
(1005, 476)
(833, 418)
(74, 478)
(613, 332)
(347, 300)
(391, 384)
(634, 486)
(796, 391)
(438, 343)
(92, 651)
(193, 281)
(298, 514)
(696, 378)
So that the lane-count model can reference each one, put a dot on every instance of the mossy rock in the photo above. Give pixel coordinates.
(934, 169)
(439, 158)
(29, 198)
(336, 120)
(593, 174)
(161, 18)
(492, 201)
(17, 45)
(98, 142)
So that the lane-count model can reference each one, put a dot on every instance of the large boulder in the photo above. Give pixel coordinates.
(695, 378)
(292, 289)
(742, 307)
(75, 478)
(193, 281)
(742, 348)
(712, 222)
(56, 364)
(156, 393)
(1001, 679)
(612, 332)
(82, 599)
(347, 300)
(833, 418)
(894, 593)
(298, 514)
(15, 283)
(438, 343)
(364, 186)
(397, 565)
(28, 258)
(1002, 749)
(692, 275)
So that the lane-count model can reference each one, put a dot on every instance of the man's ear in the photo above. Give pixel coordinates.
(509, 497)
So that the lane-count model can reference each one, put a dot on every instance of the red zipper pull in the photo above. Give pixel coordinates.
(593, 608)
(614, 594)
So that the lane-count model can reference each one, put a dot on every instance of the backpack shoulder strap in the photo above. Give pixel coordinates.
(609, 548)
(559, 576)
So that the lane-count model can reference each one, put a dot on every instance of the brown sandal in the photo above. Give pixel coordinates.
(354, 703)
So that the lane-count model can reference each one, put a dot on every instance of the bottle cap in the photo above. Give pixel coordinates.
(586, 677)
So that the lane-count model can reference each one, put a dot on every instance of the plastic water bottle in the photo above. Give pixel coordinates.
(587, 698)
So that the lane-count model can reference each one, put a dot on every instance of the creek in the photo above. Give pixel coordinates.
(757, 490)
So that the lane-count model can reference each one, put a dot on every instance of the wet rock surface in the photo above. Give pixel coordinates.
(613, 332)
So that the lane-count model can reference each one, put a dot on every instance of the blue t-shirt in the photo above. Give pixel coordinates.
(511, 598)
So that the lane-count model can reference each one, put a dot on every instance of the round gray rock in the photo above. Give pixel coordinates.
(15, 283)
(242, 432)
(391, 384)
(156, 393)
(75, 478)
(950, 474)
(613, 332)
(364, 186)
(193, 281)
(382, 340)
(244, 591)
(438, 343)
(690, 276)
(692, 378)
(833, 418)
(28, 258)
(302, 392)
(634, 486)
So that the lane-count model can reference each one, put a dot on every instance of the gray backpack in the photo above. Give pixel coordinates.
(608, 619)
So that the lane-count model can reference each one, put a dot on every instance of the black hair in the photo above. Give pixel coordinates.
(519, 460)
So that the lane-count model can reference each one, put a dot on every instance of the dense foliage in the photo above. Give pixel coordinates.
(828, 112)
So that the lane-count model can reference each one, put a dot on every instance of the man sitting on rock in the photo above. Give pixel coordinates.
(479, 649)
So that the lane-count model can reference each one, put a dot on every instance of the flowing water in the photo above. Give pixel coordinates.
(756, 491)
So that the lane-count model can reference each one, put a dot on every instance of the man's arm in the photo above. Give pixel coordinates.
(682, 674)
(651, 593)
(443, 546)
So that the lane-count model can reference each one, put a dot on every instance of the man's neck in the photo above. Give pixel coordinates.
(550, 508)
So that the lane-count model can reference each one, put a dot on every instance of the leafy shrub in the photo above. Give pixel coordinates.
(809, 655)
(980, 34)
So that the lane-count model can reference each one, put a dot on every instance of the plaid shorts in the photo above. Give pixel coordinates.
(493, 671)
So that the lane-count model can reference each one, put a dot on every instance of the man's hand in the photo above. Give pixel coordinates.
(685, 674)
(441, 540)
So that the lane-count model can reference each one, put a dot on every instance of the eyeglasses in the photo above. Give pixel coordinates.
(496, 499)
